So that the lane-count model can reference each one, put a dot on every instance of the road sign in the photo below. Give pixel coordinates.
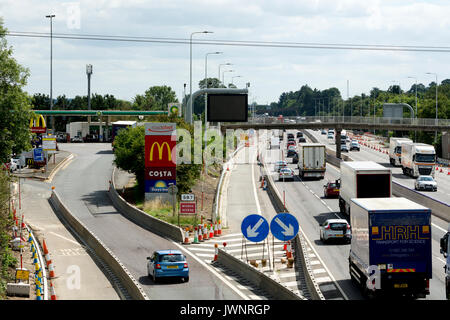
(187, 207)
(284, 226)
(187, 197)
(255, 228)
(38, 154)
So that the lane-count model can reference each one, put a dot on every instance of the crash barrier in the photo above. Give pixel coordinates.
(100, 249)
(142, 218)
(438, 208)
(259, 279)
(39, 263)
(299, 250)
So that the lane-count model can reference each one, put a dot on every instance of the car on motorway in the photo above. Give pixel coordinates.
(331, 189)
(286, 174)
(291, 143)
(292, 148)
(291, 153)
(344, 147)
(425, 183)
(301, 140)
(299, 134)
(167, 263)
(76, 139)
(323, 131)
(330, 135)
(354, 145)
(336, 229)
(280, 164)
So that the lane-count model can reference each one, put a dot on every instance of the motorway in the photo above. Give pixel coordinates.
(442, 179)
(305, 200)
(83, 187)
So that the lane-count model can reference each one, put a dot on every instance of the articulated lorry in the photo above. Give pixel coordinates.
(395, 150)
(390, 249)
(418, 159)
(311, 160)
(274, 143)
(445, 250)
(363, 179)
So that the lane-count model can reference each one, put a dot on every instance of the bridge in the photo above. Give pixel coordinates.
(342, 122)
(99, 113)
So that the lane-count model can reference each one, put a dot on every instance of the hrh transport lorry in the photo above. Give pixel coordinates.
(391, 247)
(363, 179)
(418, 159)
(311, 160)
(395, 150)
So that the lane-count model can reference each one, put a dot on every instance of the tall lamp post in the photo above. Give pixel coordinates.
(51, 16)
(223, 76)
(232, 78)
(435, 133)
(89, 73)
(415, 131)
(189, 113)
(223, 64)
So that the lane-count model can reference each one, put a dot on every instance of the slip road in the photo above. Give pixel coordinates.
(259, 309)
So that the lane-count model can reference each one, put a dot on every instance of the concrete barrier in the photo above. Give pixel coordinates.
(142, 218)
(256, 277)
(100, 249)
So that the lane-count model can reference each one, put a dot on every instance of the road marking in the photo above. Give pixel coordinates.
(67, 239)
(436, 226)
(321, 270)
(323, 279)
(212, 270)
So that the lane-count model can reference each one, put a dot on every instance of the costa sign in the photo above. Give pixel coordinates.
(160, 153)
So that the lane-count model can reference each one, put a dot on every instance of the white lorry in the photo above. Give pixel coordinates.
(395, 150)
(363, 179)
(274, 143)
(418, 159)
(311, 160)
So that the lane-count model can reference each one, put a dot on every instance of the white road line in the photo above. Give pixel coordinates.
(323, 279)
(67, 239)
(436, 226)
(213, 271)
(291, 284)
(258, 207)
(321, 270)
(287, 275)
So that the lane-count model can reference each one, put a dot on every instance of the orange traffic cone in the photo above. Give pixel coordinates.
(51, 270)
(216, 252)
(46, 253)
(219, 229)
(186, 237)
(289, 250)
(52, 292)
(211, 231)
(200, 233)
(205, 233)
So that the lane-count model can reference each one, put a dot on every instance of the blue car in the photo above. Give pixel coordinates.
(167, 263)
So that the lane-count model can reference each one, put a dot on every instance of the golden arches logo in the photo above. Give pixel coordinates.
(34, 121)
(160, 150)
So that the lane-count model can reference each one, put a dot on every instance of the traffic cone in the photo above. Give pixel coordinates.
(51, 270)
(448, 173)
(200, 233)
(219, 229)
(205, 233)
(195, 235)
(52, 292)
(289, 250)
(211, 231)
(215, 229)
(186, 237)
(46, 253)
(285, 246)
(216, 252)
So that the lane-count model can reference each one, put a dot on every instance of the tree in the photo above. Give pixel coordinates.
(15, 105)
(161, 96)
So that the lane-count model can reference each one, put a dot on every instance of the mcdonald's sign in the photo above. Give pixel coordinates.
(37, 125)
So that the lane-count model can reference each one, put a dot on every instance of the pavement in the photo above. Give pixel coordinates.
(45, 172)
(78, 277)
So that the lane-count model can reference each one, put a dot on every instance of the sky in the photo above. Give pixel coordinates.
(126, 69)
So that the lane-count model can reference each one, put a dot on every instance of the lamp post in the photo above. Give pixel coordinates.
(89, 73)
(415, 131)
(435, 133)
(223, 76)
(206, 83)
(51, 16)
(223, 64)
(189, 113)
(232, 78)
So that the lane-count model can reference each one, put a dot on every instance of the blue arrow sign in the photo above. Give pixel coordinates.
(284, 226)
(255, 228)
(38, 154)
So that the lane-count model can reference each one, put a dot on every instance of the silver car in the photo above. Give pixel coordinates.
(279, 164)
(425, 183)
(335, 229)
(286, 174)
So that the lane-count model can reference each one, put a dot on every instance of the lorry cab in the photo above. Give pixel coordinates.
(445, 251)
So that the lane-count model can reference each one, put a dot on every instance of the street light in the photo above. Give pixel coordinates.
(232, 78)
(415, 131)
(223, 64)
(189, 113)
(435, 133)
(223, 75)
(51, 16)
(89, 73)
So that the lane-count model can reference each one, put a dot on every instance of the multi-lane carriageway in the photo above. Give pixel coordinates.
(305, 200)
